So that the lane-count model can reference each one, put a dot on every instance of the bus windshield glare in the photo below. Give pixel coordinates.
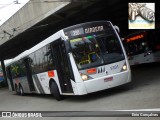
(95, 50)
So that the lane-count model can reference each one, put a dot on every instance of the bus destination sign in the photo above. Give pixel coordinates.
(81, 31)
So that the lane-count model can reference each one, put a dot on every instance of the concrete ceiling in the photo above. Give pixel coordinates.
(77, 11)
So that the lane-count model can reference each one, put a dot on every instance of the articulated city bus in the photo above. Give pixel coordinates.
(77, 60)
(143, 47)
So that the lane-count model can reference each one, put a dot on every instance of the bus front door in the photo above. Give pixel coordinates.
(62, 66)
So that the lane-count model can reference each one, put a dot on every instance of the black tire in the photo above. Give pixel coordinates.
(21, 92)
(55, 92)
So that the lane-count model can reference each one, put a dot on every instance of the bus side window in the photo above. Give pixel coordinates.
(15, 71)
(41, 60)
(49, 58)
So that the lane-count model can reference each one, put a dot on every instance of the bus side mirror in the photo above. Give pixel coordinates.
(117, 28)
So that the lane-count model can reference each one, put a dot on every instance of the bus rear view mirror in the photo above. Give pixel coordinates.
(117, 28)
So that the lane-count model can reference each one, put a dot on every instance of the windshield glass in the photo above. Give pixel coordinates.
(86, 52)
(95, 46)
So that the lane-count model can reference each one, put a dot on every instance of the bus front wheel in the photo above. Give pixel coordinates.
(55, 92)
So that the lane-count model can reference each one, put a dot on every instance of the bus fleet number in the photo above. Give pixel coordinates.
(76, 32)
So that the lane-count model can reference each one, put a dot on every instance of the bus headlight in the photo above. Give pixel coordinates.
(84, 77)
(124, 68)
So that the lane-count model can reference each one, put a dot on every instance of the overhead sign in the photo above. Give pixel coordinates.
(84, 30)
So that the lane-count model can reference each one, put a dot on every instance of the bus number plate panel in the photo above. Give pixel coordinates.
(108, 79)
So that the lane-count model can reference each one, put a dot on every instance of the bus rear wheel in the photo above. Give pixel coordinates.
(55, 92)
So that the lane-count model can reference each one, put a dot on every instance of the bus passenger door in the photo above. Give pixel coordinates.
(29, 75)
(62, 66)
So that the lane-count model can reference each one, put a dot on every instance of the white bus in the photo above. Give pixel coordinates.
(143, 47)
(77, 60)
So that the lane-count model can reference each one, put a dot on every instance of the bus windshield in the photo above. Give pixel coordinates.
(95, 50)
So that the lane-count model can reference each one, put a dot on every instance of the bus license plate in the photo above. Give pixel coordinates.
(108, 79)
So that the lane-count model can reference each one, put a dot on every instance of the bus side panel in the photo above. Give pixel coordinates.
(41, 81)
(144, 58)
(140, 59)
(23, 82)
(149, 58)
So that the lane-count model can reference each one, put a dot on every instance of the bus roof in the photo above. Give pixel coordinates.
(57, 35)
